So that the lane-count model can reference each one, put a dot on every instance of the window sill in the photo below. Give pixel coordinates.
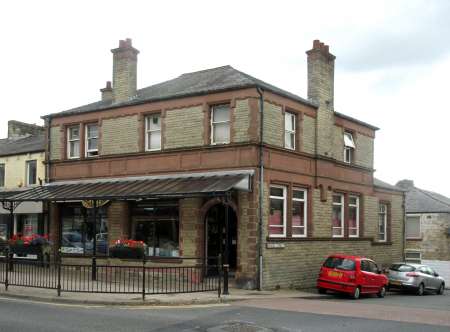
(309, 239)
(380, 243)
(414, 239)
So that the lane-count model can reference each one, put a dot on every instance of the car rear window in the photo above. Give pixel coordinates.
(340, 263)
(402, 268)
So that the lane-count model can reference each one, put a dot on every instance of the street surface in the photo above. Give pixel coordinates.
(396, 312)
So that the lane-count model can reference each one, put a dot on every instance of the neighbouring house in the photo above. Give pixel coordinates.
(21, 167)
(219, 162)
(427, 227)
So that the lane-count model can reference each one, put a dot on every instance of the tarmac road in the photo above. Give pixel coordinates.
(246, 316)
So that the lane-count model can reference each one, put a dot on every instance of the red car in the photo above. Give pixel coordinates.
(353, 275)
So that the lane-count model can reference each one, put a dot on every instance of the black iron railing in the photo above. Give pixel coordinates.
(193, 276)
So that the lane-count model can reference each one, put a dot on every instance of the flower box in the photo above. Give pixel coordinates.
(126, 252)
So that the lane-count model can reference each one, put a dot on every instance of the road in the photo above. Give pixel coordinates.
(394, 313)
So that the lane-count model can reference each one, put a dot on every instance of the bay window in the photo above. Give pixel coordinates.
(353, 216)
(220, 124)
(277, 217)
(289, 130)
(73, 142)
(382, 222)
(91, 140)
(299, 212)
(338, 216)
(153, 132)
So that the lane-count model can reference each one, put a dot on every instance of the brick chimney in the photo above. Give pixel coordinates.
(124, 71)
(107, 92)
(321, 91)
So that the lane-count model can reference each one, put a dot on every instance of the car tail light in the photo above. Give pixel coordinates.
(412, 274)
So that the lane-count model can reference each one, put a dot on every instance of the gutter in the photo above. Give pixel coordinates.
(261, 189)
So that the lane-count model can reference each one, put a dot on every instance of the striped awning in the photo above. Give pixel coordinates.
(182, 185)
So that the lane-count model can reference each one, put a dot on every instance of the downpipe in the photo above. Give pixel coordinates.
(261, 189)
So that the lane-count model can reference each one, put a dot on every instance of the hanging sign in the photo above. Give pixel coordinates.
(89, 204)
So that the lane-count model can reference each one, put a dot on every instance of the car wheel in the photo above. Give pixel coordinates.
(441, 290)
(382, 292)
(420, 290)
(356, 293)
(321, 290)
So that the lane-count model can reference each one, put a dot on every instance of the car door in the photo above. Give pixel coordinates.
(366, 277)
(378, 279)
(425, 276)
(435, 283)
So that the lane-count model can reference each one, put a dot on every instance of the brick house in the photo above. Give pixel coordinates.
(22, 156)
(172, 160)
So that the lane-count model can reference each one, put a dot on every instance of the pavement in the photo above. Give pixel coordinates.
(50, 295)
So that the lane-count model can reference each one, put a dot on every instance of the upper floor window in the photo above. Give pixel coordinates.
(153, 132)
(382, 222)
(353, 216)
(413, 227)
(2, 175)
(91, 142)
(220, 124)
(289, 130)
(73, 142)
(31, 172)
(277, 217)
(349, 147)
(299, 212)
(338, 216)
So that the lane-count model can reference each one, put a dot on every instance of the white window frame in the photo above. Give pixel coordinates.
(420, 227)
(86, 140)
(349, 145)
(385, 219)
(284, 199)
(292, 116)
(150, 131)
(213, 123)
(341, 204)
(416, 251)
(27, 172)
(305, 211)
(73, 140)
(357, 215)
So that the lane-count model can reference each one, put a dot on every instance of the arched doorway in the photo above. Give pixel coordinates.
(216, 237)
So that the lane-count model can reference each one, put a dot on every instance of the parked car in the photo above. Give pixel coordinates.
(416, 277)
(353, 275)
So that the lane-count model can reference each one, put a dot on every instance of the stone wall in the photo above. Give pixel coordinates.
(241, 121)
(120, 135)
(184, 127)
(191, 227)
(435, 243)
(364, 151)
(118, 221)
(55, 143)
(273, 125)
(308, 133)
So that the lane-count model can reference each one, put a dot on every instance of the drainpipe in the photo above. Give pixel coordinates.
(261, 189)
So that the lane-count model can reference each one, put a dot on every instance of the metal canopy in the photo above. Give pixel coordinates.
(138, 187)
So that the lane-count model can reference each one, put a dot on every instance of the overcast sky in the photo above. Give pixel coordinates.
(392, 66)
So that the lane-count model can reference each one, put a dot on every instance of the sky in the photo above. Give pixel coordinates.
(392, 61)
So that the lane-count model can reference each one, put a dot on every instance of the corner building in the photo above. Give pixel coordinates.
(171, 161)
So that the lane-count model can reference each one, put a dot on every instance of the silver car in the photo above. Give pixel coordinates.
(416, 277)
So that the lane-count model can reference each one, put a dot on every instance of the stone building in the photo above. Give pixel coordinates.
(21, 167)
(171, 161)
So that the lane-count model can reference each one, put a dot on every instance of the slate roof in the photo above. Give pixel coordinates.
(384, 185)
(424, 201)
(190, 84)
(26, 144)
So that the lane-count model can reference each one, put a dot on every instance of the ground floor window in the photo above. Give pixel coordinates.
(77, 236)
(382, 222)
(338, 216)
(277, 218)
(28, 224)
(157, 225)
(4, 222)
